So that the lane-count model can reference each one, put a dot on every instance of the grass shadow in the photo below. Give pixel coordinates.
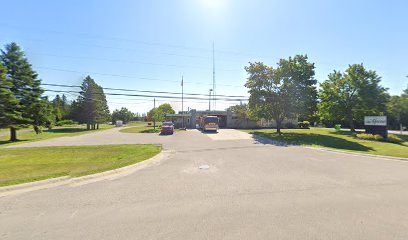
(312, 139)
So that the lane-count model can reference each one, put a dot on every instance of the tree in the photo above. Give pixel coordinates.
(57, 105)
(352, 95)
(24, 85)
(282, 92)
(45, 116)
(9, 105)
(102, 109)
(397, 110)
(91, 106)
(123, 114)
(242, 110)
(159, 114)
(64, 105)
(299, 74)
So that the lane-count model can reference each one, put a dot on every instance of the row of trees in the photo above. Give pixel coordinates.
(126, 115)
(289, 90)
(22, 102)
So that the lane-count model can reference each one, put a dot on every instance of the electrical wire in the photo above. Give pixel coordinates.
(132, 77)
(144, 91)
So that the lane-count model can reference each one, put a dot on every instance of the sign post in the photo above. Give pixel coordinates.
(376, 125)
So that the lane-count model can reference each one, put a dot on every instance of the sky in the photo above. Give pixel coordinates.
(150, 44)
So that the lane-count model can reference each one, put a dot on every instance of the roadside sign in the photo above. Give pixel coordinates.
(375, 120)
(376, 125)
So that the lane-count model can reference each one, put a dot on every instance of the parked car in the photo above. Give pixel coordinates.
(167, 128)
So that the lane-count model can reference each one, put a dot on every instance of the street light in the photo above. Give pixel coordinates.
(209, 100)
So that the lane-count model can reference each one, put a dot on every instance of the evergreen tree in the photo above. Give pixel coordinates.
(91, 106)
(45, 115)
(102, 109)
(57, 105)
(64, 106)
(24, 85)
(9, 106)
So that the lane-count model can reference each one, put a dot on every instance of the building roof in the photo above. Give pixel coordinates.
(179, 115)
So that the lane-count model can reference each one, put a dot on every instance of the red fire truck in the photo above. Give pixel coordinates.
(209, 123)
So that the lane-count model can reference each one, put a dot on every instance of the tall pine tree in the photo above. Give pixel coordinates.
(25, 86)
(9, 105)
(91, 106)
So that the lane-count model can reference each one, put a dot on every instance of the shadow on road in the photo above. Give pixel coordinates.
(308, 139)
(267, 141)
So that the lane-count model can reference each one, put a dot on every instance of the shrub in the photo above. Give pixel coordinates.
(65, 122)
(337, 127)
(290, 125)
(367, 136)
(149, 124)
(304, 125)
(393, 138)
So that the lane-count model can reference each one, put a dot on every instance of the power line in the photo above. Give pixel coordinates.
(144, 91)
(130, 77)
(148, 96)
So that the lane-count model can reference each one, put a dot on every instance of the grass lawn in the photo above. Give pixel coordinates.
(21, 165)
(140, 130)
(142, 127)
(25, 137)
(329, 138)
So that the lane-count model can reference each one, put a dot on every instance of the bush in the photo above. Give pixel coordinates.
(149, 124)
(304, 125)
(393, 138)
(337, 127)
(290, 125)
(65, 122)
(367, 136)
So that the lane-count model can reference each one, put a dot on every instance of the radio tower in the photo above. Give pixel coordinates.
(214, 88)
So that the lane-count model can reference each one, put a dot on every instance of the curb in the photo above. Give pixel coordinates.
(83, 180)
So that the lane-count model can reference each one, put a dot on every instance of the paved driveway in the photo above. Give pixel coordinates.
(251, 190)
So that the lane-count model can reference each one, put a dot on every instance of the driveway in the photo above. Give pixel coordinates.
(248, 189)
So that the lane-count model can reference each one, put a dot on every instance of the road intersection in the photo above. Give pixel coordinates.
(251, 189)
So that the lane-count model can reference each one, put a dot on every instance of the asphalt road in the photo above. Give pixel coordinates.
(246, 189)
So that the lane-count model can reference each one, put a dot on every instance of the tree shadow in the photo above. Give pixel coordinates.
(403, 137)
(309, 139)
(9, 142)
(66, 130)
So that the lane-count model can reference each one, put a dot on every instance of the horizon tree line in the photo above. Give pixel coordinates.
(287, 90)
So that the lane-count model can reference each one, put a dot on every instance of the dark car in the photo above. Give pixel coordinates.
(167, 128)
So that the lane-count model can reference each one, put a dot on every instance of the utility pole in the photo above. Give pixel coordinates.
(154, 113)
(209, 100)
(182, 99)
(214, 87)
